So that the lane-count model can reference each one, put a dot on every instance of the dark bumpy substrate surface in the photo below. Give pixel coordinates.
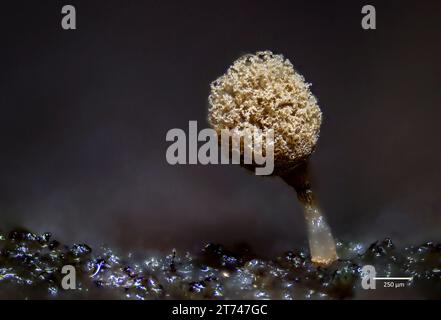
(30, 267)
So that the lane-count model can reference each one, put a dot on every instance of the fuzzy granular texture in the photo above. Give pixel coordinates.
(262, 92)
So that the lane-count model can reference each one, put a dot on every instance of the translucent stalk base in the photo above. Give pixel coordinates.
(321, 241)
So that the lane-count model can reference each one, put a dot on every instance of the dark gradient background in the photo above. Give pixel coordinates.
(84, 116)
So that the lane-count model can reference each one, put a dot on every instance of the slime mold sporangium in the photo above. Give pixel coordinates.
(264, 92)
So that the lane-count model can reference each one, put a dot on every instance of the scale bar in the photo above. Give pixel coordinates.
(391, 278)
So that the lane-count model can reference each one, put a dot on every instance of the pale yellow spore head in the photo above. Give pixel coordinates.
(264, 91)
